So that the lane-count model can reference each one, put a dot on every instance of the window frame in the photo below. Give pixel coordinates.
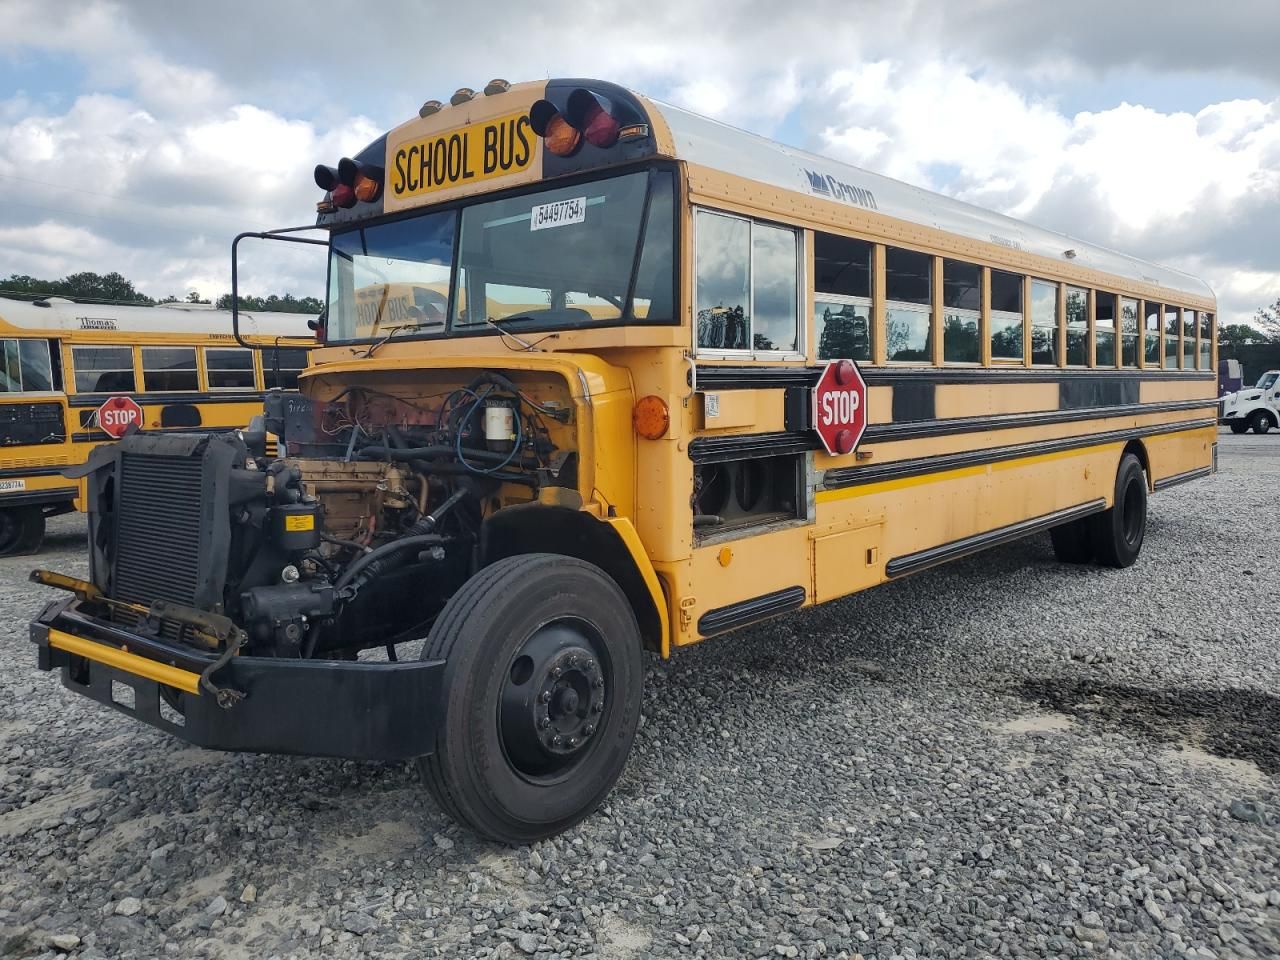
(1114, 328)
(1204, 340)
(1066, 328)
(933, 336)
(195, 368)
(845, 299)
(1059, 321)
(75, 367)
(209, 368)
(49, 355)
(1007, 316)
(965, 314)
(802, 290)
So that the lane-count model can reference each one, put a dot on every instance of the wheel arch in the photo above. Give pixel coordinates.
(1139, 450)
(612, 545)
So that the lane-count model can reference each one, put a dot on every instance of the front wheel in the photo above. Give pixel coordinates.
(1118, 533)
(21, 530)
(542, 685)
(1260, 422)
(1238, 428)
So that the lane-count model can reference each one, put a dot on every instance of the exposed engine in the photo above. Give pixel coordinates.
(354, 536)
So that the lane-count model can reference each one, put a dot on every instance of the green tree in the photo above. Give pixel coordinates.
(274, 303)
(1233, 335)
(108, 288)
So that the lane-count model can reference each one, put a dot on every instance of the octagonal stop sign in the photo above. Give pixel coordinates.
(840, 406)
(117, 414)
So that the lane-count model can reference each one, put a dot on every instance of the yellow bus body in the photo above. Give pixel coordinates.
(35, 452)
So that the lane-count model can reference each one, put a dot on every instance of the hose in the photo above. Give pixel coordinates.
(360, 564)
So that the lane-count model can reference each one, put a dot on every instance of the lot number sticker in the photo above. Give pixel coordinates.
(8, 486)
(558, 214)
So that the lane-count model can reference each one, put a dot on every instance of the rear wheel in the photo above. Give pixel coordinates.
(1118, 533)
(21, 530)
(542, 688)
(1259, 421)
(1073, 542)
(1239, 427)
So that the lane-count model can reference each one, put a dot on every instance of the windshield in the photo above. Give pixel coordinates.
(1267, 380)
(571, 256)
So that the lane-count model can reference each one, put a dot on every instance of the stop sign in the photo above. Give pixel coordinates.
(840, 406)
(117, 414)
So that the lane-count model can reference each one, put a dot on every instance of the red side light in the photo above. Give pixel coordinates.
(591, 114)
(343, 196)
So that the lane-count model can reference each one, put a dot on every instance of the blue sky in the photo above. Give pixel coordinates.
(157, 130)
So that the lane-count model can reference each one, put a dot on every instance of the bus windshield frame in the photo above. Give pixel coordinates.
(586, 253)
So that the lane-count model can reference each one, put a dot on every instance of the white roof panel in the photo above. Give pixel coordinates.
(67, 315)
(710, 143)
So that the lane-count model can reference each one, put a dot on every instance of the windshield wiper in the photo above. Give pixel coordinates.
(507, 333)
(391, 332)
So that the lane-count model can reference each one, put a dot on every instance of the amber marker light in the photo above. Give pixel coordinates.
(651, 418)
(364, 179)
(556, 132)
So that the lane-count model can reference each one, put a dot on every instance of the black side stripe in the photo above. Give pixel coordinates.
(51, 471)
(923, 559)
(884, 432)
(34, 498)
(1178, 478)
(775, 377)
(841, 477)
(734, 615)
(745, 446)
(155, 399)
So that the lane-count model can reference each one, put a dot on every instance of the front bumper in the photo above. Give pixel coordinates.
(328, 708)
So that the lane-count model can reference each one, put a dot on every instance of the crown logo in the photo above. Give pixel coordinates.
(818, 183)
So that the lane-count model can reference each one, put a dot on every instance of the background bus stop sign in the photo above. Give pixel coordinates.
(840, 406)
(117, 414)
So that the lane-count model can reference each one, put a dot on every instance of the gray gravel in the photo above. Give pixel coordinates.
(1004, 757)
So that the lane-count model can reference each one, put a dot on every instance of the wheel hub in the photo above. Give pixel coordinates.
(552, 700)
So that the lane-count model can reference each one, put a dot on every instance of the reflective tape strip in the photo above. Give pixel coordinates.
(126, 661)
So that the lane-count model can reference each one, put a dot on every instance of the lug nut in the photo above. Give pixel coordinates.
(544, 696)
(589, 729)
(544, 723)
(555, 673)
(573, 742)
(557, 740)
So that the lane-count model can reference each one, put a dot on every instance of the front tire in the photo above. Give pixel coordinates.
(1260, 422)
(21, 531)
(542, 683)
(1118, 532)
(1238, 428)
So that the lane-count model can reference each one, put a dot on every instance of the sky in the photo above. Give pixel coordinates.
(142, 136)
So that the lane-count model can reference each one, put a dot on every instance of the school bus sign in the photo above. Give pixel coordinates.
(840, 406)
(452, 158)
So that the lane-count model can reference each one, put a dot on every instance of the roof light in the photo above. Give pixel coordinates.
(496, 86)
(549, 123)
(365, 179)
(592, 114)
(462, 95)
(430, 107)
(326, 177)
(343, 196)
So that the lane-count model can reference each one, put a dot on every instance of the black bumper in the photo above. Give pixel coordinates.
(327, 708)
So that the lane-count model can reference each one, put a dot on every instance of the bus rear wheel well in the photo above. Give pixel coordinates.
(1139, 450)
(537, 528)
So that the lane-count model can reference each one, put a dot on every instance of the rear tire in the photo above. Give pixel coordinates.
(1259, 421)
(1073, 542)
(1239, 428)
(21, 531)
(542, 683)
(1118, 532)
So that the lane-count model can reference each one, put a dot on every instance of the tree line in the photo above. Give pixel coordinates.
(111, 287)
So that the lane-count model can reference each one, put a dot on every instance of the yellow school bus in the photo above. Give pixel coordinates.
(63, 360)
(713, 380)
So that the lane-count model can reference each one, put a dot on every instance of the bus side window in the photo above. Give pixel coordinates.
(1044, 323)
(169, 368)
(1104, 329)
(229, 368)
(103, 369)
(1006, 315)
(293, 360)
(1077, 327)
(961, 310)
(25, 366)
(842, 297)
(908, 289)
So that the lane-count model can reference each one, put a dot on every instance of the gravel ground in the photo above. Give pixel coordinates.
(1003, 757)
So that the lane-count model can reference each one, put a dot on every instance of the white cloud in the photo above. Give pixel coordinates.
(1171, 187)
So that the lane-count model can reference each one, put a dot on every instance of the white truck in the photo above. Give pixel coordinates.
(1254, 408)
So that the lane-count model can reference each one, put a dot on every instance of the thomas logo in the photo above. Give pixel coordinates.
(825, 185)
